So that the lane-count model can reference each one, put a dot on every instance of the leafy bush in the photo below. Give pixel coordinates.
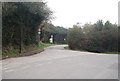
(96, 37)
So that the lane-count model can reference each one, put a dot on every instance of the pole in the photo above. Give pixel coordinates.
(39, 38)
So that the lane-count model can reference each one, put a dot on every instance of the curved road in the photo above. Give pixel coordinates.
(58, 63)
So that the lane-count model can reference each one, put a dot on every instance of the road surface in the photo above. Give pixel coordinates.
(58, 63)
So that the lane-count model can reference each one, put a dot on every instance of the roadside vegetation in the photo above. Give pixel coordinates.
(98, 37)
(30, 50)
(67, 47)
(59, 34)
(21, 22)
(46, 44)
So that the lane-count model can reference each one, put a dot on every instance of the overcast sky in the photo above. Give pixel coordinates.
(69, 12)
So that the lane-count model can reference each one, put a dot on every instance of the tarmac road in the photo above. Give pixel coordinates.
(58, 63)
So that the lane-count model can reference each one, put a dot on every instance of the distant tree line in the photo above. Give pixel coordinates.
(59, 34)
(20, 23)
(98, 37)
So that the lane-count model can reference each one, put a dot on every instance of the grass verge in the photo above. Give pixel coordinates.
(111, 52)
(67, 47)
(27, 51)
(46, 44)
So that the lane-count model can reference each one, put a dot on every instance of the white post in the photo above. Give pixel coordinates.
(39, 38)
(51, 39)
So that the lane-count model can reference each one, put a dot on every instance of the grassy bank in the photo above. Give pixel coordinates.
(111, 52)
(46, 44)
(28, 50)
(67, 47)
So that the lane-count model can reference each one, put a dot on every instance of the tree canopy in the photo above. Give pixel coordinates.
(21, 21)
(96, 37)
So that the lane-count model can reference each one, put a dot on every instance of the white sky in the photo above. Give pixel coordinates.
(69, 12)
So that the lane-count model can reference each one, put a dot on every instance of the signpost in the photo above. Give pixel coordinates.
(51, 39)
(39, 32)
